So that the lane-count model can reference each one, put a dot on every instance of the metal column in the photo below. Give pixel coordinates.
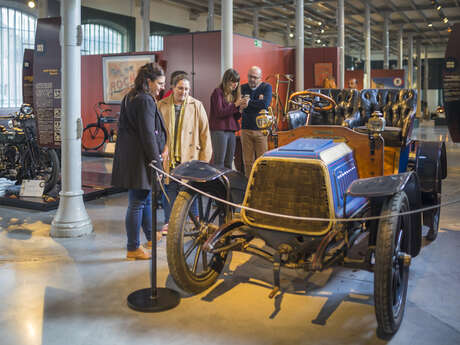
(255, 24)
(145, 14)
(419, 77)
(400, 48)
(71, 219)
(210, 20)
(43, 9)
(341, 34)
(299, 57)
(386, 41)
(367, 44)
(227, 35)
(410, 61)
(425, 83)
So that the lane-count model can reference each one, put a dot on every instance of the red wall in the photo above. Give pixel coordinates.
(271, 58)
(316, 55)
(92, 84)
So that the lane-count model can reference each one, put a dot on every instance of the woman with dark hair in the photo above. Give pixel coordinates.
(226, 107)
(141, 140)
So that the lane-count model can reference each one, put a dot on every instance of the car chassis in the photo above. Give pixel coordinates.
(330, 183)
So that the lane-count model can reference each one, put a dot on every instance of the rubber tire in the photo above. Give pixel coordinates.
(96, 143)
(389, 321)
(182, 275)
(55, 172)
(431, 219)
(53, 157)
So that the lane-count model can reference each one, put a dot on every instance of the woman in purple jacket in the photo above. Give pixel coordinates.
(226, 107)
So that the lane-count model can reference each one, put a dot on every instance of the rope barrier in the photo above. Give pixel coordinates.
(160, 171)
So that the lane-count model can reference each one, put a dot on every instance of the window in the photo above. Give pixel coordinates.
(17, 32)
(101, 39)
(156, 43)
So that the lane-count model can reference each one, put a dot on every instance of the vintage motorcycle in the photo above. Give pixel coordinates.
(21, 158)
(331, 183)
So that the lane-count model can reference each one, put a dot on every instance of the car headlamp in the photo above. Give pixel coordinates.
(264, 120)
(376, 122)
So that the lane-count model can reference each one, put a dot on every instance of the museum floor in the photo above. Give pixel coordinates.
(73, 291)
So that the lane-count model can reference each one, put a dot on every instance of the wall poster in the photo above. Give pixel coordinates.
(119, 73)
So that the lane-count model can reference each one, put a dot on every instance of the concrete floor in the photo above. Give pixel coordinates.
(73, 291)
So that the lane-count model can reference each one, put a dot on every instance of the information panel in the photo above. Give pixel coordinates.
(47, 81)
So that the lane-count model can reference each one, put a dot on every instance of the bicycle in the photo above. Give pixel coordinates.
(96, 134)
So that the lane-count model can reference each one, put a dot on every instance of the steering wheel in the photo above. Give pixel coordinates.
(309, 99)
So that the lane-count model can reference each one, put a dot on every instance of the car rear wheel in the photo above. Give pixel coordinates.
(193, 269)
(392, 265)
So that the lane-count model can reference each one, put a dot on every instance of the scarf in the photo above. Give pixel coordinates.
(175, 149)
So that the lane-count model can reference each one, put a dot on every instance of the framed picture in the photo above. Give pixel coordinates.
(322, 71)
(119, 73)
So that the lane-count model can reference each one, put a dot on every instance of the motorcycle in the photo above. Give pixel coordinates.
(21, 158)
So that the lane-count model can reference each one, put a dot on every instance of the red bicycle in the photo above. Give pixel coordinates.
(96, 134)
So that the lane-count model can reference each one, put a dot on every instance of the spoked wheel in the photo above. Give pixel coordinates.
(45, 167)
(94, 136)
(392, 262)
(193, 269)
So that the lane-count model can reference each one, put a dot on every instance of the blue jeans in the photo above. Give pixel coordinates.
(172, 189)
(139, 213)
(223, 147)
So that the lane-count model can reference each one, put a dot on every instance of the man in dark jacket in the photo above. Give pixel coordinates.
(258, 96)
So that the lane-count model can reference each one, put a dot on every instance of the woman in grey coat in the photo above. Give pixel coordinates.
(141, 140)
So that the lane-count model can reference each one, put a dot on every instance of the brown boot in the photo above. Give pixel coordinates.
(148, 245)
(138, 254)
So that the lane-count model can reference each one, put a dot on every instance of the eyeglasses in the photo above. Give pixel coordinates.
(253, 77)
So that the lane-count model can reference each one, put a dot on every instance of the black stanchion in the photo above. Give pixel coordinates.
(153, 299)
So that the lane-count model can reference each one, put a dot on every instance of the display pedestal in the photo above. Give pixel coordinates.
(153, 299)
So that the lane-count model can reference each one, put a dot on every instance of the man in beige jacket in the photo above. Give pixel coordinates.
(189, 137)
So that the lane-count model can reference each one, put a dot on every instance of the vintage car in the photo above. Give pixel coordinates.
(321, 190)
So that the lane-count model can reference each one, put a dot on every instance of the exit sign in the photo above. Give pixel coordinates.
(258, 43)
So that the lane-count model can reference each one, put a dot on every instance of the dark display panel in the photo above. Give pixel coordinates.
(47, 81)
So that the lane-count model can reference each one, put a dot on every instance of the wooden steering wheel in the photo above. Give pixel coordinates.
(309, 99)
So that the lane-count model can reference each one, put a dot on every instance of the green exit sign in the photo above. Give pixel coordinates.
(258, 43)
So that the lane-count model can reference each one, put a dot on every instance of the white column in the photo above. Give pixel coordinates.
(425, 83)
(145, 14)
(71, 219)
(227, 35)
(255, 24)
(386, 41)
(299, 36)
(419, 77)
(210, 21)
(410, 61)
(43, 9)
(341, 34)
(367, 46)
(400, 48)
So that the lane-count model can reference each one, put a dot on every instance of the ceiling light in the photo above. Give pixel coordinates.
(430, 25)
(322, 31)
(318, 41)
(438, 7)
(320, 23)
(31, 4)
(291, 35)
(445, 20)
